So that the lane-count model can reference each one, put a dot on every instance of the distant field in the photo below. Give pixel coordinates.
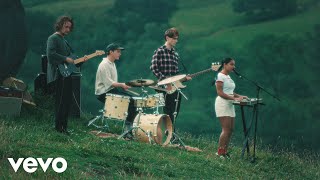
(217, 23)
(79, 7)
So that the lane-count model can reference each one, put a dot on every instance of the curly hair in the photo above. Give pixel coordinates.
(60, 22)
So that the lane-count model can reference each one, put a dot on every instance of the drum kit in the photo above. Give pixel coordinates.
(150, 128)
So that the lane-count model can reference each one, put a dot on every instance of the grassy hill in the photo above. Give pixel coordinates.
(92, 157)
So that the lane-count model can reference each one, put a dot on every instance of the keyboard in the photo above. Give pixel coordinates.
(248, 102)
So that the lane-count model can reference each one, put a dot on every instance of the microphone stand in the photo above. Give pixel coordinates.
(255, 112)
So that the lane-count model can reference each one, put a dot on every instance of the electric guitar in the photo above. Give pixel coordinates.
(214, 67)
(66, 69)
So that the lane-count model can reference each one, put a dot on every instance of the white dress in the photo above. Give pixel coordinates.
(224, 107)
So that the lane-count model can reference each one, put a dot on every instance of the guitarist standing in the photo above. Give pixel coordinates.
(165, 64)
(59, 52)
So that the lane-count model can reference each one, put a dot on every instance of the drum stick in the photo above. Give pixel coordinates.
(135, 93)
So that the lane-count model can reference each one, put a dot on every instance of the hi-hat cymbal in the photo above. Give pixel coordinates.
(171, 79)
(140, 82)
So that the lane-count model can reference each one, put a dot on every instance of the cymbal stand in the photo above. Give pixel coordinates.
(144, 92)
(135, 127)
(176, 137)
(157, 105)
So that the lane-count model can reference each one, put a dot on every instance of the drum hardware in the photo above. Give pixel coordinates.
(104, 123)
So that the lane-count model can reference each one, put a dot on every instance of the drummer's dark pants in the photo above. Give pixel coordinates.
(131, 110)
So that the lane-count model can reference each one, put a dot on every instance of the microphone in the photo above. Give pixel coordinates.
(236, 72)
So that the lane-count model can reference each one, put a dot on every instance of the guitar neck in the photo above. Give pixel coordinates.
(201, 72)
(79, 60)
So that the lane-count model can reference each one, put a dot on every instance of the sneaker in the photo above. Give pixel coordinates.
(223, 156)
(66, 132)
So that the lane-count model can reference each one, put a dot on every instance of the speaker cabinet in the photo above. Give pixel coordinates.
(40, 83)
(76, 95)
(10, 101)
(41, 87)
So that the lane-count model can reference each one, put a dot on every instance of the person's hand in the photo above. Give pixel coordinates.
(124, 86)
(169, 87)
(239, 98)
(85, 58)
(245, 97)
(188, 78)
(69, 60)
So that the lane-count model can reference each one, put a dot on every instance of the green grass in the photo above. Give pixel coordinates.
(91, 157)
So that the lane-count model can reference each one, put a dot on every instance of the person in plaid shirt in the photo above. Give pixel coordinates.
(164, 64)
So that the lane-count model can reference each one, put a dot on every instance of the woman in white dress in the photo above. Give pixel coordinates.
(223, 105)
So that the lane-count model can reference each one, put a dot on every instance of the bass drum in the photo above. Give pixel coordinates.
(158, 125)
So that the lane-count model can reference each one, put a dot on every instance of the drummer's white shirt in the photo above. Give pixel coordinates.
(106, 75)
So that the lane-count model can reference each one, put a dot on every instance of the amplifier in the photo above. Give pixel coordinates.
(76, 95)
(10, 101)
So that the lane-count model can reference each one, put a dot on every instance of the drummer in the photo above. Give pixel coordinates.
(165, 64)
(107, 80)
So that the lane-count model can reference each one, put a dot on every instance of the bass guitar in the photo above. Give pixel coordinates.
(178, 84)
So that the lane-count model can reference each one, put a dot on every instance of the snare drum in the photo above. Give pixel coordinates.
(139, 102)
(155, 100)
(159, 125)
(116, 106)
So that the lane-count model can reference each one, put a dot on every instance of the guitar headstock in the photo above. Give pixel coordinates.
(215, 66)
(99, 52)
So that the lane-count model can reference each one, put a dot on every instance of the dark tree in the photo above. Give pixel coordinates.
(13, 37)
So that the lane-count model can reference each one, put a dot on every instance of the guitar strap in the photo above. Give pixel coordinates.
(184, 67)
(71, 50)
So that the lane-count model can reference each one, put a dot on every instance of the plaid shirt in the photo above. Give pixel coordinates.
(164, 62)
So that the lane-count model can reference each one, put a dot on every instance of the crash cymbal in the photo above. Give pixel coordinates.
(140, 82)
(172, 79)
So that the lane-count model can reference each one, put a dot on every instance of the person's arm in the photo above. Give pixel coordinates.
(53, 56)
(219, 87)
(155, 63)
(240, 96)
(105, 74)
(121, 85)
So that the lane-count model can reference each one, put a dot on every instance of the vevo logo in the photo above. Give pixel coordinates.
(30, 164)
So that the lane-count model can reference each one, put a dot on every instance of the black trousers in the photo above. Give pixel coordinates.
(63, 102)
(131, 110)
(170, 105)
